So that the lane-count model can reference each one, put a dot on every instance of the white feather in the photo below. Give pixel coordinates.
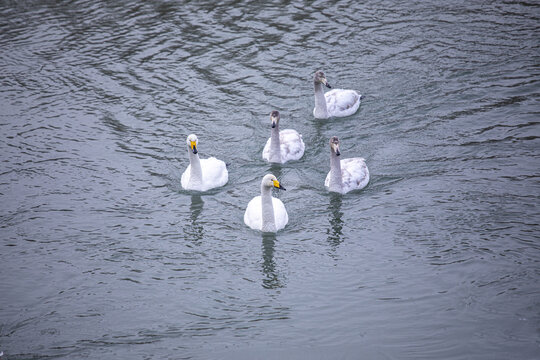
(214, 171)
(253, 214)
(354, 174)
(265, 212)
(291, 146)
(340, 102)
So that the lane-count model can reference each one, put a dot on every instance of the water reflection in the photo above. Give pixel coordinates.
(271, 276)
(336, 223)
(275, 169)
(194, 230)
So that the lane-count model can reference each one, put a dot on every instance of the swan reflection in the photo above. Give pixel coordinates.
(336, 223)
(194, 230)
(271, 276)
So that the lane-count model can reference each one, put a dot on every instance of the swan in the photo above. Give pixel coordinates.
(345, 174)
(336, 102)
(283, 145)
(266, 213)
(202, 174)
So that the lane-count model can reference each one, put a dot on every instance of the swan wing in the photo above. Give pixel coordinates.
(327, 180)
(215, 173)
(291, 145)
(340, 102)
(185, 177)
(266, 150)
(355, 174)
(253, 214)
(280, 213)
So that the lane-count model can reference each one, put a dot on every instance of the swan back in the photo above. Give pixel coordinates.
(354, 174)
(341, 103)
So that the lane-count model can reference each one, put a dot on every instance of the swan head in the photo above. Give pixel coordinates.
(321, 78)
(192, 143)
(334, 145)
(274, 118)
(270, 181)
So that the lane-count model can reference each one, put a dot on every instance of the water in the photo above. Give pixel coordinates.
(104, 255)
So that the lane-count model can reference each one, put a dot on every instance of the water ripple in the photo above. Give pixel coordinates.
(98, 98)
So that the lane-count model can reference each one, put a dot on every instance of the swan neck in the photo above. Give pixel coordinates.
(268, 220)
(275, 145)
(196, 170)
(320, 101)
(336, 181)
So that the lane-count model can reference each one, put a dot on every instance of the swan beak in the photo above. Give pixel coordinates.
(274, 121)
(326, 83)
(334, 145)
(278, 185)
(194, 147)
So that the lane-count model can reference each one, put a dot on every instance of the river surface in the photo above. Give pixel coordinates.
(103, 255)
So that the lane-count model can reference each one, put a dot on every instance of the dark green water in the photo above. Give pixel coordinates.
(104, 256)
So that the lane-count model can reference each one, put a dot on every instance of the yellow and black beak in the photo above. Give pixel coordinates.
(278, 185)
(193, 146)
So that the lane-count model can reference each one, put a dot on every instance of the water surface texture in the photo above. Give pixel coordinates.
(104, 256)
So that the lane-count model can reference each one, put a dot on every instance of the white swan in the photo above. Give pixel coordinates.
(283, 145)
(336, 102)
(345, 174)
(266, 213)
(202, 174)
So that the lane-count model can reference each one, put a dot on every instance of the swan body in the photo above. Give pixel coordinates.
(202, 174)
(345, 174)
(283, 145)
(336, 102)
(264, 212)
